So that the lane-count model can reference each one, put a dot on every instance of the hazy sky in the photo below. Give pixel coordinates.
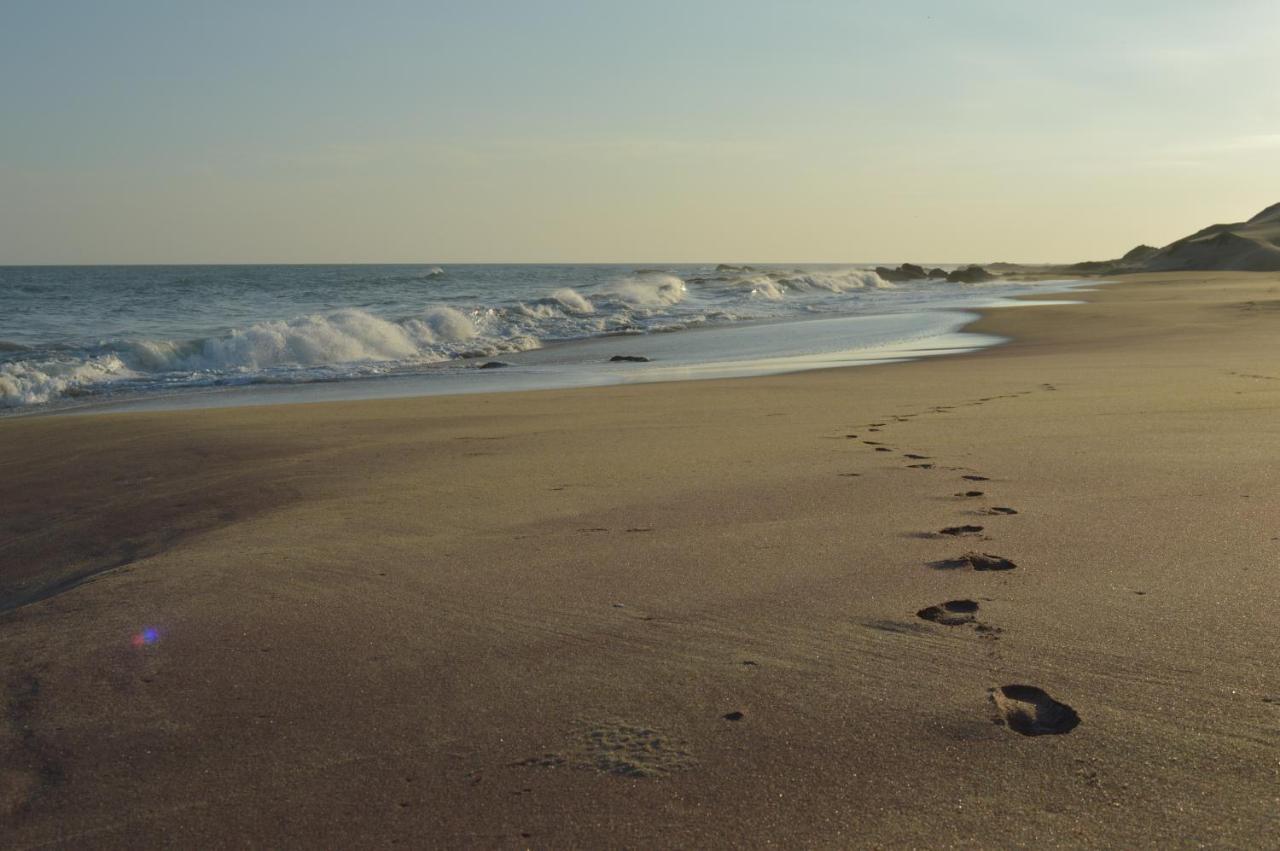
(543, 130)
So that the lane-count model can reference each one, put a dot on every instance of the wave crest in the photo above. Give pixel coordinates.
(353, 342)
(648, 290)
(34, 382)
(344, 337)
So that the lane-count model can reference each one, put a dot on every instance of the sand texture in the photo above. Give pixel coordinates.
(1023, 597)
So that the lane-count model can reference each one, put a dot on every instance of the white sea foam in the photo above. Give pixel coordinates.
(648, 290)
(35, 382)
(340, 338)
(573, 300)
(480, 312)
(344, 336)
(776, 284)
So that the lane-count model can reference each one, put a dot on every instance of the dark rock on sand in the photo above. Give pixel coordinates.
(492, 364)
(628, 359)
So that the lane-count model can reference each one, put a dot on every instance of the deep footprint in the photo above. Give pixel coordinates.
(970, 493)
(977, 561)
(1032, 712)
(976, 478)
(951, 613)
(956, 531)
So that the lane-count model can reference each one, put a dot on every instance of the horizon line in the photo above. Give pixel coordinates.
(535, 263)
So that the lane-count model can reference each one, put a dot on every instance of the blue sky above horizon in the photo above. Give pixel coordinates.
(597, 131)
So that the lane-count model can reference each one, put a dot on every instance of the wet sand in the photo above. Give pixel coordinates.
(735, 612)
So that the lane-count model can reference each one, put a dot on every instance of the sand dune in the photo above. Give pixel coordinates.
(1252, 246)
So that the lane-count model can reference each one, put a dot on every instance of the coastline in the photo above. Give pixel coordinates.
(416, 618)
(922, 323)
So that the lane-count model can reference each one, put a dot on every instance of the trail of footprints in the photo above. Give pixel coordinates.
(620, 748)
(1024, 709)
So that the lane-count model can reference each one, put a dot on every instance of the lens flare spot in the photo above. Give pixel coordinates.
(149, 635)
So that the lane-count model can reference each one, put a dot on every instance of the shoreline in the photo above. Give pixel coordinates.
(417, 619)
(744, 348)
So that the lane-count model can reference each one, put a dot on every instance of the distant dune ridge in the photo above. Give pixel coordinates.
(1251, 246)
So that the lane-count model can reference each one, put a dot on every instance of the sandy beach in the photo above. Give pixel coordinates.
(680, 614)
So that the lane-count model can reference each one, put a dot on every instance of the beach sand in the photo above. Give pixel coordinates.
(674, 614)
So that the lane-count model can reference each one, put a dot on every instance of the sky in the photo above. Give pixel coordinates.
(808, 130)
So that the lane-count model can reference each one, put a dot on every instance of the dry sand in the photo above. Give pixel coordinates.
(522, 619)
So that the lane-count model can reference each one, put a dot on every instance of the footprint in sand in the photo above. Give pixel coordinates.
(920, 466)
(618, 748)
(951, 613)
(977, 561)
(916, 457)
(999, 509)
(970, 493)
(872, 443)
(976, 478)
(883, 449)
(1032, 712)
(960, 613)
(957, 531)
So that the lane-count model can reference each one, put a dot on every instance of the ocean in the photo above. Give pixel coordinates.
(141, 336)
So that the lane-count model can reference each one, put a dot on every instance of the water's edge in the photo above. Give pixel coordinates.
(738, 351)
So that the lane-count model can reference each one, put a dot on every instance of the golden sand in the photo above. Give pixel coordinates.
(686, 614)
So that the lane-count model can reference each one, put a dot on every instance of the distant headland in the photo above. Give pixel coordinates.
(1249, 246)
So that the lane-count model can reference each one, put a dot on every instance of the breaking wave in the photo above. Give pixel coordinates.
(305, 348)
(364, 341)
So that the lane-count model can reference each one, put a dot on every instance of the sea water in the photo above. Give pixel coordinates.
(104, 335)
